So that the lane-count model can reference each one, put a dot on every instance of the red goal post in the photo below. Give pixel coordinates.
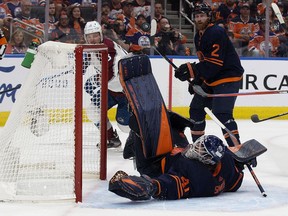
(78, 114)
(56, 133)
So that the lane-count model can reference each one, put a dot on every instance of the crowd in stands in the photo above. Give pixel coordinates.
(127, 22)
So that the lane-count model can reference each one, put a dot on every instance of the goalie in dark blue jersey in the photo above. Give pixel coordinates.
(219, 71)
(201, 169)
(169, 166)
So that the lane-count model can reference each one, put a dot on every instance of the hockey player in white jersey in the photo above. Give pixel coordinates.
(93, 35)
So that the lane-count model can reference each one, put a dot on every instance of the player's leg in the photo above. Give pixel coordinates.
(197, 115)
(113, 140)
(222, 108)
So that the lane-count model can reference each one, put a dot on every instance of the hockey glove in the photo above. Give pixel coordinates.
(195, 81)
(132, 187)
(185, 71)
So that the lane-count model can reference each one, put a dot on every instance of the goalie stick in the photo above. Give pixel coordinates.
(279, 15)
(241, 148)
(11, 89)
(256, 119)
(201, 92)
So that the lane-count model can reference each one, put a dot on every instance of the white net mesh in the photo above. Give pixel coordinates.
(37, 143)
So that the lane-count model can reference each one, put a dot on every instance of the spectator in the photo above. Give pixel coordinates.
(5, 19)
(167, 37)
(106, 9)
(158, 14)
(127, 15)
(52, 13)
(116, 9)
(241, 28)
(4, 12)
(27, 17)
(3, 44)
(53, 20)
(227, 11)
(17, 43)
(257, 43)
(63, 32)
(139, 37)
(25, 13)
(283, 46)
(142, 7)
(119, 28)
(14, 7)
(77, 22)
(116, 32)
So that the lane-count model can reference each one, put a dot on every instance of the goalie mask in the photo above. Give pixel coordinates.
(207, 149)
(92, 27)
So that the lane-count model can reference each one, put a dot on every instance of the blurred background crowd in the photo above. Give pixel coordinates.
(254, 30)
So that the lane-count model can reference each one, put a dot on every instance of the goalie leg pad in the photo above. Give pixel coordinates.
(132, 187)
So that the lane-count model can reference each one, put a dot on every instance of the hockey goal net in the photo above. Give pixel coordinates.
(56, 131)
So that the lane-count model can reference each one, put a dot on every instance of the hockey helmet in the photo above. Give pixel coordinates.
(208, 149)
(93, 27)
(203, 7)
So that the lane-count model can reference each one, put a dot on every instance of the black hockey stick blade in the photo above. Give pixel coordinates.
(256, 119)
(11, 89)
(198, 90)
(247, 151)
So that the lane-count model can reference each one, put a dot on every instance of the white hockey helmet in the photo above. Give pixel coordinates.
(93, 27)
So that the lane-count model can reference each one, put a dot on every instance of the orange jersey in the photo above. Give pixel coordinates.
(258, 42)
(238, 27)
(4, 11)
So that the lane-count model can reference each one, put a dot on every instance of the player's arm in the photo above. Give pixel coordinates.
(3, 44)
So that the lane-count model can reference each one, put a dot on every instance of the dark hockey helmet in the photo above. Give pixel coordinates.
(202, 7)
(208, 149)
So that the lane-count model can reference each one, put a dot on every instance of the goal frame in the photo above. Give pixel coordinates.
(79, 118)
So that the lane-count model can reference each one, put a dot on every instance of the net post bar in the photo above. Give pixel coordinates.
(104, 109)
(78, 123)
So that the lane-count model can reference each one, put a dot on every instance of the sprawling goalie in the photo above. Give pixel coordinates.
(169, 167)
(201, 169)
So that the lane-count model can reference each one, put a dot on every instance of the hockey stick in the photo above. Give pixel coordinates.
(256, 119)
(11, 89)
(236, 145)
(201, 92)
(279, 15)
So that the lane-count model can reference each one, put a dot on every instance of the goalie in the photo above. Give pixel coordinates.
(93, 35)
(169, 166)
(201, 169)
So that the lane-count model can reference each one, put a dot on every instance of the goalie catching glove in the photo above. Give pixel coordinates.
(132, 187)
(186, 71)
